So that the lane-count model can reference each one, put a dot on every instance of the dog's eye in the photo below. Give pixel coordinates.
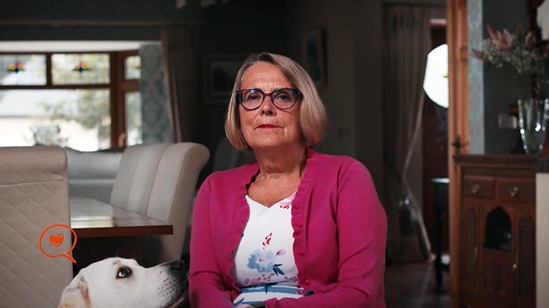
(123, 272)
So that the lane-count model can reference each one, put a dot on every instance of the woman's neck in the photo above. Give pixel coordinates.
(278, 177)
(281, 163)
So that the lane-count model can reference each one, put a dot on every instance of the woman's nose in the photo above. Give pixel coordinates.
(268, 106)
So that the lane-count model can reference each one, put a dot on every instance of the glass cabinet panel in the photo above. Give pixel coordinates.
(497, 233)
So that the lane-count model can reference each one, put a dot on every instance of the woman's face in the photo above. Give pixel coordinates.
(268, 127)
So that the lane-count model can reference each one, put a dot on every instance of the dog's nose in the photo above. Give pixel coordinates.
(176, 265)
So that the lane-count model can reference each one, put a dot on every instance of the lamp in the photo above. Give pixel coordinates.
(436, 76)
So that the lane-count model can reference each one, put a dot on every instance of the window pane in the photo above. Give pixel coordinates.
(132, 67)
(80, 68)
(133, 118)
(22, 69)
(75, 118)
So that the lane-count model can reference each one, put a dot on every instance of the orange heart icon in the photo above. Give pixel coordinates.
(57, 240)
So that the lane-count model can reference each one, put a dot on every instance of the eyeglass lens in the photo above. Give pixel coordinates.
(282, 98)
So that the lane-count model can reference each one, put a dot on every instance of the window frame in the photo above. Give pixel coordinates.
(117, 87)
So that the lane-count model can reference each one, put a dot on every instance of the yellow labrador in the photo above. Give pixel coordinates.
(118, 282)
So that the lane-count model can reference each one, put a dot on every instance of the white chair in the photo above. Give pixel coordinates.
(159, 180)
(33, 196)
(226, 157)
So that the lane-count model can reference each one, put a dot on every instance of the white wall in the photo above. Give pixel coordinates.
(542, 243)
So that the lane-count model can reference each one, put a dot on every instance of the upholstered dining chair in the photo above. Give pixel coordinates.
(33, 196)
(159, 180)
(226, 157)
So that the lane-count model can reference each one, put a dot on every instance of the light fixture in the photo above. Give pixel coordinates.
(435, 83)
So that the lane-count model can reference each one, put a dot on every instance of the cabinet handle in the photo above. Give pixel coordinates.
(514, 191)
(475, 189)
(515, 264)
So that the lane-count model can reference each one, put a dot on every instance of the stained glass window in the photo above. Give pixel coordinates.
(22, 69)
(90, 68)
(132, 68)
(66, 99)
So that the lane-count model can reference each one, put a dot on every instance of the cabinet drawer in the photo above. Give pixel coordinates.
(516, 190)
(477, 186)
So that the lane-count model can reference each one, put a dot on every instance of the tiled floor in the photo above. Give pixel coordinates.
(413, 286)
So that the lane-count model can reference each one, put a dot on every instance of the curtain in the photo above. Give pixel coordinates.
(182, 76)
(407, 41)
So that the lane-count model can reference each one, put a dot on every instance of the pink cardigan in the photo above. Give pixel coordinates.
(340, 231)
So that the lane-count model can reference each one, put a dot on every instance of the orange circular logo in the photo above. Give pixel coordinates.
(55, 239)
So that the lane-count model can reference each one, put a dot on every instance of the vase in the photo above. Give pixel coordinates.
(532, 119)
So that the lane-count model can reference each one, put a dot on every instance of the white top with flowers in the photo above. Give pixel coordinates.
(265, 255)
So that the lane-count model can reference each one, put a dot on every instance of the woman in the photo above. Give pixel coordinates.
(295, 228)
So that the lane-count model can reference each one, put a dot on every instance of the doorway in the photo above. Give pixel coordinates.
(435, 153)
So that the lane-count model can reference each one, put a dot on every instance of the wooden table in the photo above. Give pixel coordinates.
(94, 219)
(106, 231)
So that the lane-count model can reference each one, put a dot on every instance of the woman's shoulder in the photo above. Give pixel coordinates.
(335, 166)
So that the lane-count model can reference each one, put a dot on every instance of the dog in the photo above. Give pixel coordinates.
(119, 282)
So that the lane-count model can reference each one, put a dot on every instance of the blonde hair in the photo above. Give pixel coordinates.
(312, 113)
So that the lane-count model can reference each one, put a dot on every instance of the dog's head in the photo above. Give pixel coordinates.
(117, 282)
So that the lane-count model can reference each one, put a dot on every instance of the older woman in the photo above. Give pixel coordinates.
(295, 228)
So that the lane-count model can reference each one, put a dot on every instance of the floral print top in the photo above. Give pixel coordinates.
(265, 256)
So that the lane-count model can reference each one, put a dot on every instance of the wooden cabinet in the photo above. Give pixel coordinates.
(495, 227)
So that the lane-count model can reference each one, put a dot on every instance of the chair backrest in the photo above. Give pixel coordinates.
(135, 176)
(228, 157)
(33, 196)
(159, 180)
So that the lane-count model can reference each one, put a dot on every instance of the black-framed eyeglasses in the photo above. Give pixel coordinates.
(283, 99)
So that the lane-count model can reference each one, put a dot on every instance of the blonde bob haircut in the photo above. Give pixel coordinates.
(312, 113)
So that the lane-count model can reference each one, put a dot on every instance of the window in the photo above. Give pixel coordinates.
(86, 101)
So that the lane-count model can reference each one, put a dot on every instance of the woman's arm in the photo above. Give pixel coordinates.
(206, 287)
(362, 233)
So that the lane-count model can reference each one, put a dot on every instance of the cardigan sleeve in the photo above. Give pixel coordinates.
(362, 233)
(206, 288)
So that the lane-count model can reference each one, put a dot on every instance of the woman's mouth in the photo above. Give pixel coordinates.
(266, 126)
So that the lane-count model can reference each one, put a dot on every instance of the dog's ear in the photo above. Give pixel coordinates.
(75, 296)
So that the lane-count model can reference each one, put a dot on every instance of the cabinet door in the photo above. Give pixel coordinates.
(469, 227)
(526, 256)
(496, 256)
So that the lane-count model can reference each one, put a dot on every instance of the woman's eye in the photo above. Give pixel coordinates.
(123, 272)
(253, 97)
(283, 97)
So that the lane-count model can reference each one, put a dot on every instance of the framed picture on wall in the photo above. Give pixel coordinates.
(314, 59)
(219, 75)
